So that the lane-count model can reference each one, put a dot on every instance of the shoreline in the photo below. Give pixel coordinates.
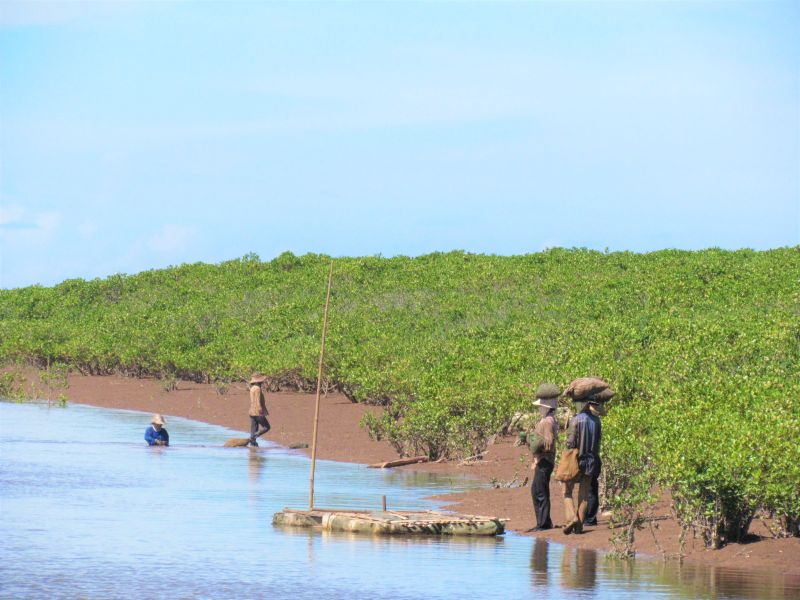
(340, 438)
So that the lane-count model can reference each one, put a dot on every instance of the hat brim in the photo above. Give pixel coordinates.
(257, 380)
(547, 402)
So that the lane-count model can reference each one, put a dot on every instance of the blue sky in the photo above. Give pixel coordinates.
(139, 135)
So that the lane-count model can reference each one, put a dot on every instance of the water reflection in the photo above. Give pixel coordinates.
(578, 568)
(539, 570)
(255, 464)
(398, 541)
(698, 581)
(417, 479)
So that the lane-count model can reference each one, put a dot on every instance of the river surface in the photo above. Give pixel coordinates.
(88, 510)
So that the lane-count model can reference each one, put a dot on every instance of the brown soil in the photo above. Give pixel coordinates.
(341, 438)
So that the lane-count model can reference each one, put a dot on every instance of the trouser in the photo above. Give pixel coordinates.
(594, 499)
(584, 482)
(540, 492)
(254, 430)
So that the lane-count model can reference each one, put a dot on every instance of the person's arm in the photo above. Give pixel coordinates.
(572, 433)
(150, 436)
(263, 403)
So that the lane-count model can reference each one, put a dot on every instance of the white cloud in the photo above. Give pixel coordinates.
(171, 238)
(11, 214)
(21, 225)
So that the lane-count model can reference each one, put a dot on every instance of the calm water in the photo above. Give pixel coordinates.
(87, 510)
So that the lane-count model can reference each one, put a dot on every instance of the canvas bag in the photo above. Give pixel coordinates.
(567, 469)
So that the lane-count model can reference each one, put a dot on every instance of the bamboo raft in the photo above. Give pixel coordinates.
(390, 522)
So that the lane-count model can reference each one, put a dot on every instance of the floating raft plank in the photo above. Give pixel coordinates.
(390, 522)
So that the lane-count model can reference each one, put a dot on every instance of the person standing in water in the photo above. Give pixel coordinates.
(156, 435)
(259, 425)
(542, 443)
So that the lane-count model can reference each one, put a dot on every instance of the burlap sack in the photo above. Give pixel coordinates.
(585, 386)
(568, 469)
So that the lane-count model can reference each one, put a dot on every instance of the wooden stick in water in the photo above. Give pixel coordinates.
(319, 386)
(399, 462)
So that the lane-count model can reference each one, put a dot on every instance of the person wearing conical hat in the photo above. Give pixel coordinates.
(584, 434)
(155, 434)
(542, 443)
(259, 425)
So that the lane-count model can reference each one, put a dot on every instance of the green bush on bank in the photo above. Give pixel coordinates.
(702, 347)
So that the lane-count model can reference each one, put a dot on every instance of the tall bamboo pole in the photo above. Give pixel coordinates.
(319, 386)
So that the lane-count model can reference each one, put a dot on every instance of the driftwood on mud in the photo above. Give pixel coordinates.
(399, 462)
(472, 459)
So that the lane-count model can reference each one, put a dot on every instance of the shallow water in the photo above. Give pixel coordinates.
(87, 510)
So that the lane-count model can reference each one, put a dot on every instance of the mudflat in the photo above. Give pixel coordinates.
(341, 438)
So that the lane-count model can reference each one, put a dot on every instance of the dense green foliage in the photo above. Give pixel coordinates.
(703, 349)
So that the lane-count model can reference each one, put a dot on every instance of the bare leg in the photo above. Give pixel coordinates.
(569, 505)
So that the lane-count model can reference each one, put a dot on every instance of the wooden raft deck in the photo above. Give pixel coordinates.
(390, 522)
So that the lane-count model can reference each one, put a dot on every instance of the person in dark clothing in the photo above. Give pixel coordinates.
(156, 435)
(593, 504)
(542, 443)
(584, 434)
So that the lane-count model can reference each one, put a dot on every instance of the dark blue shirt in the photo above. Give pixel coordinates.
(151, 435)
(584, 434)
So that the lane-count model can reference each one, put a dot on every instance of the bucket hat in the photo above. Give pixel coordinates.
(548, 390)
(158, 420)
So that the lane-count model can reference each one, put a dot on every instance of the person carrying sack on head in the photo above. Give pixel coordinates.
(593, 503)
(259, 425)
(542, 443)
(156, 435)
(584, 435)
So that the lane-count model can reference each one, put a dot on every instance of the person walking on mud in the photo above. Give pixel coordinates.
(542, 443)
(583, 434)
(259, 425)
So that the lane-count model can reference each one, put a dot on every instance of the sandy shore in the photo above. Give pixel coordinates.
(341, 438)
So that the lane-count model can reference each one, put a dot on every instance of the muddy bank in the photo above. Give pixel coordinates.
(341, 438)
